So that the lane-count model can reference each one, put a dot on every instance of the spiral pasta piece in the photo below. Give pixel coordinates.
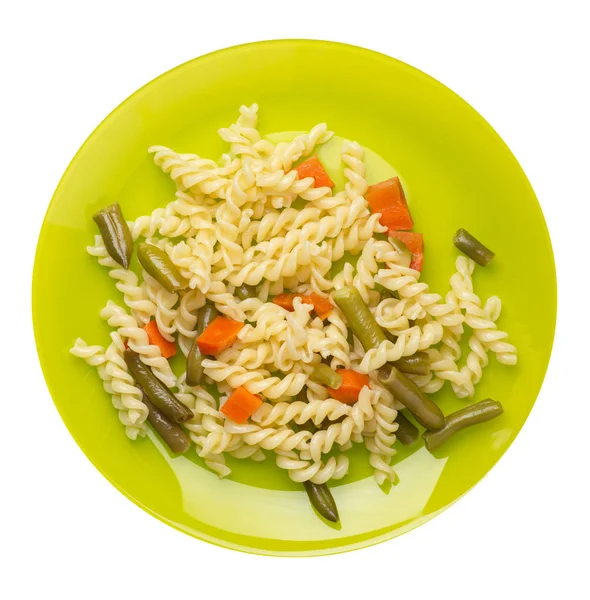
(255, 381)
(413, 340)
(355, 171)
(286, 153)
(340, 433)
(165, 303)
(138, 341)
(380, 442)
(125, 395)
(299, 412)
(269, 438)
(317, 472)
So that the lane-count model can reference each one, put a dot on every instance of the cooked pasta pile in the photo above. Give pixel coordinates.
(250, 219)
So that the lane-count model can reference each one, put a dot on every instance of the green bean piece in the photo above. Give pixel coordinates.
(194, 358)
(322, 500)
(407, 433)
(319, 494)
(417, 364)
(466, 417)
(115, 234)
(359, 317)
(404, 252)
(173, 434)
(155, 390)
(158, 264)
(425, 411)
(243, 292)
(385, 293)
(473, 248)
(323, 375)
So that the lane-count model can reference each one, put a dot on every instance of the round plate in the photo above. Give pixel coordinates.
(457, 173)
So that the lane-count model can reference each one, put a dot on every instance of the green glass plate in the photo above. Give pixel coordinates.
(457, 173)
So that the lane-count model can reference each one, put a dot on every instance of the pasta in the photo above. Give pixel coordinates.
(260, 238)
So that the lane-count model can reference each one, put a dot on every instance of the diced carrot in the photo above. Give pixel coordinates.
(388, 198)
(415, 244)
(352, 384)
(312, 167)
(167, 348)
(241, 405)
(322, 306)
(286, 300)
(221, 333)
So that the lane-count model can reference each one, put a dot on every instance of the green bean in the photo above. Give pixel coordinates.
(173, 434)
(407, 433)
(194, 358)
(473, 248)
(323, 375)
(425, 411)
(322, 500)
(385, 293)
(319, 494)
(155, 390)
(115, 234)
(466, 417)
(359, 317)
(417, 364)
(405, 253)
(243, 292)
(158, 264)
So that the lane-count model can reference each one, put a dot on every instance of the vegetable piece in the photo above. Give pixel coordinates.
(155, 390)
(473, 248)
(407, 433)
(322, 500)
(241, 405)
(471, 415)
(352, 384)
(405, 255)
(312, 167)
(168, 349)
(243, 292)
(173, 434)
(388, 198)
(286, 300)
(415, 244)
(321, 305)
(359, 317)
(194, 358)
(220, 334)
(115, 234)
(425, 411)
(417, 364)
(325, 376)
(158, 264)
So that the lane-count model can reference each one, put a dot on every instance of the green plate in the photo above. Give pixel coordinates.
(457, 173)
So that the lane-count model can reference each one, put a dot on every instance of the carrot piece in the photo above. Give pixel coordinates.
(221, 333)
(352, 384)
(286, 300)
(312, 167)
(388, 198)
(167, 348)
(322, 306)
(241, 405)
(415, 244)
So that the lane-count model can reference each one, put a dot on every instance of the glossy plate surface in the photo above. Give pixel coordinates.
(457, 173)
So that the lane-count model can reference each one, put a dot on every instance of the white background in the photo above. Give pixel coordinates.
(523, 530)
